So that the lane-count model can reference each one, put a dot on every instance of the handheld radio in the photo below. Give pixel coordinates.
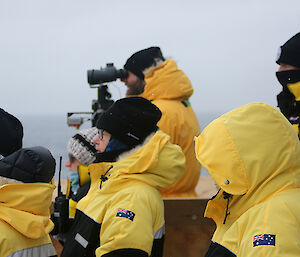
(61, 207)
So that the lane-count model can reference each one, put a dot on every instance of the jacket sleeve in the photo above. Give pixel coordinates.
(272, 230)
(128, 224)
(259, 248)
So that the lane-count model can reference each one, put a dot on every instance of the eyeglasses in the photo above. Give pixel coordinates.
(100, 134)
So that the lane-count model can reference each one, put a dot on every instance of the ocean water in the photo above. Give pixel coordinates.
(53, 133)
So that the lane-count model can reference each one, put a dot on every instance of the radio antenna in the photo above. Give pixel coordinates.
(59, 192)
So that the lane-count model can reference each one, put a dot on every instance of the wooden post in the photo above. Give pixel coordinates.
(188, 233)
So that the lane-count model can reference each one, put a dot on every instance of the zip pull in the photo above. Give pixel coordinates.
(103, 178)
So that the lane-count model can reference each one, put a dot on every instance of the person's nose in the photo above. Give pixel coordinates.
(67, 163)
(96, 140)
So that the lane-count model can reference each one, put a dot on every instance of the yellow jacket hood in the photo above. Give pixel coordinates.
(157, 163)
(252, 153)
(256, 149)
(25, 207)
(169, 89)
(167, 82)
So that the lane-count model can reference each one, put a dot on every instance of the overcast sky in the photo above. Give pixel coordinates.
(227, 48)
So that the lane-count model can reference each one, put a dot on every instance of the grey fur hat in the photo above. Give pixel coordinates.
(81, 146)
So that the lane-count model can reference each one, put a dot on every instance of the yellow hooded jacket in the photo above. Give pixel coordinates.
(169, 89)
(252, 153)
(25, 220)
(124, 198)
(84, 180)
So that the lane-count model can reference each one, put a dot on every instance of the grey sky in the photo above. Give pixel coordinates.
(227, 48)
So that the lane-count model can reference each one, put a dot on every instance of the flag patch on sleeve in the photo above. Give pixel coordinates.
(125, 214)
(264, 239)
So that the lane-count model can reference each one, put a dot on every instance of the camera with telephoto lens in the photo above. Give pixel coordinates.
(97, 79)
(107, 74)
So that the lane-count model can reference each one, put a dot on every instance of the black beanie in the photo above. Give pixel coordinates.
(11, 133)
(289, 53)
(130, 120)
(142, 60)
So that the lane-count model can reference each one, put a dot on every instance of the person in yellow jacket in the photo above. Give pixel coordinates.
(252, 153)
(288, 76)
(82, 152)
(159, 80)
(25, 194)
(123, 212)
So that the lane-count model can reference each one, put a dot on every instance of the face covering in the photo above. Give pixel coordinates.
(113, 149)
(114, 144)
(74, 179)
(289, 98)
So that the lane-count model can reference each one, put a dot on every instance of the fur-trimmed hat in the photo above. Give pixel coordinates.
(143, 62)
(289, 53)
(11, 133)
(130, 120)
(81, 146)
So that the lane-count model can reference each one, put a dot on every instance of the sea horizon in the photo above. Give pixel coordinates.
(52, 132)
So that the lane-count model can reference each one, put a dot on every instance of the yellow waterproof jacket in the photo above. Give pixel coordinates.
(84, 180)
(295, 90)
(169, 89)
(25, 220)
(124, 196)
(253, 153)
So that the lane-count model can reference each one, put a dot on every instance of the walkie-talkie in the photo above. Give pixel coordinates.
(61, 207)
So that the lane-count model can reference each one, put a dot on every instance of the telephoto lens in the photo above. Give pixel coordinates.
(107, 74)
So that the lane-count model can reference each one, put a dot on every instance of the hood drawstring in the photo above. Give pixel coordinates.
(103, 178)
(228, 197)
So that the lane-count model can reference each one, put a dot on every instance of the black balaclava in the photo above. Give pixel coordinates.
(288, 100)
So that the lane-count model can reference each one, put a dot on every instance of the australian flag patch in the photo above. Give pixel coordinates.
(125, 214)
(264, 239)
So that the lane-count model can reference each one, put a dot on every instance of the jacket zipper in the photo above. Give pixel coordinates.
(103, 178)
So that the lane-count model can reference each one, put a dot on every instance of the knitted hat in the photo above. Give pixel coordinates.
(130, 120)
(289, 53)
(81, 146)
(11, 133)
(142, 60)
